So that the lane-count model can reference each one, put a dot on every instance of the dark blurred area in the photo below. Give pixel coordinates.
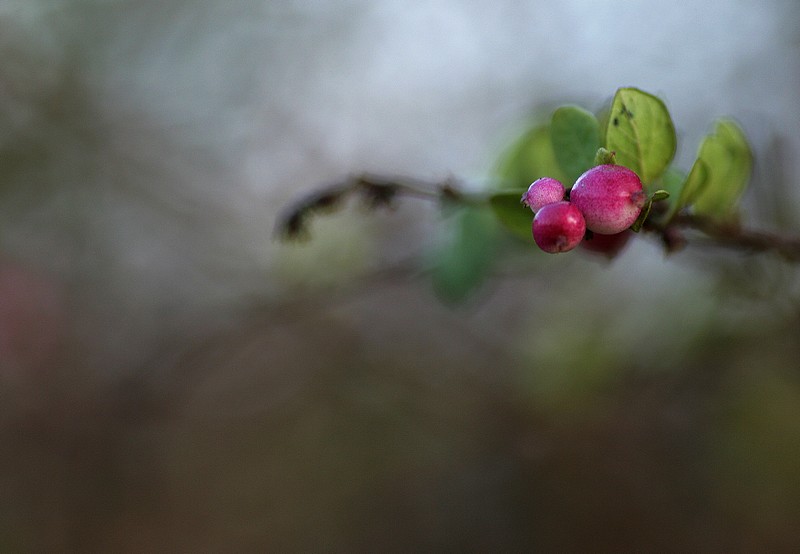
(174, 379)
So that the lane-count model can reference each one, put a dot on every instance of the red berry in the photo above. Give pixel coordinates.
(610, 198)
(607, 245)
(558, 227)
(542, 192)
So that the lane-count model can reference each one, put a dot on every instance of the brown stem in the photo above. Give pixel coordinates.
(737, 237)
(378, 191)
(375, 190)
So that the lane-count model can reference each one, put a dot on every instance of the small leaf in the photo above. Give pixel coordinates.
(604, 157)
(641, 132)
(464, 262)
(575, 134)
(531, 156)
(514, 215)
(660, 194)
(657, 196)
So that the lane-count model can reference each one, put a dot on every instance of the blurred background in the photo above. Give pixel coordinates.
(174, 379)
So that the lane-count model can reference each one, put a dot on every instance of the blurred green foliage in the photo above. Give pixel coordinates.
(575, 135)
(464, 261)
(720, 174)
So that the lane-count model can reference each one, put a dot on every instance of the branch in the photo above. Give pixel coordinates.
(378, 191)
(736, 237)
(375, 191)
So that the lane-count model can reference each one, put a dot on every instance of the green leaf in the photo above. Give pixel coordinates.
(729, 163)
(659, 195)
(464, 262)
(575, 134)
(604, 157)
(720, 173)
(641, 132)
(672, 181)
(530, 157)
(512, 213)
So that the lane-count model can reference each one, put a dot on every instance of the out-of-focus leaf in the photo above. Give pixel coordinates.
(641, 132)
(693, 185)
(530, 157)
(464, 262)
(512, 213)
(575, 134)
(729, 162)
(672, 181)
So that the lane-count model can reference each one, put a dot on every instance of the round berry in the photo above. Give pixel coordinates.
(558, 227)
(610, 198)
(607, 245)
(542, 192)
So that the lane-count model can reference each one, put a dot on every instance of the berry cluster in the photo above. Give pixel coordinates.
(606, 200)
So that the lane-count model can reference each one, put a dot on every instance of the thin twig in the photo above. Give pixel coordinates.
(375, 191)
(381, 191)
(737, 237)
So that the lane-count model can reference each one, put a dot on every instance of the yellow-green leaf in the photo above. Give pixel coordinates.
(729, 161)
(641, 132)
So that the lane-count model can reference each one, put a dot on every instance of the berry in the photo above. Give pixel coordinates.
(607, 245)
(558, 227)
(610, 198)
(542, 192)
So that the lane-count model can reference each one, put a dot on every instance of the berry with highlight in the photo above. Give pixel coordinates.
(558, 227)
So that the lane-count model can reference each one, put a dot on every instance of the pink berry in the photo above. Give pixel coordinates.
(610, 198)
(542, 192)
(558, 227)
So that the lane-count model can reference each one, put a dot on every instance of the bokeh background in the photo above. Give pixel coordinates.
(174, 379)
